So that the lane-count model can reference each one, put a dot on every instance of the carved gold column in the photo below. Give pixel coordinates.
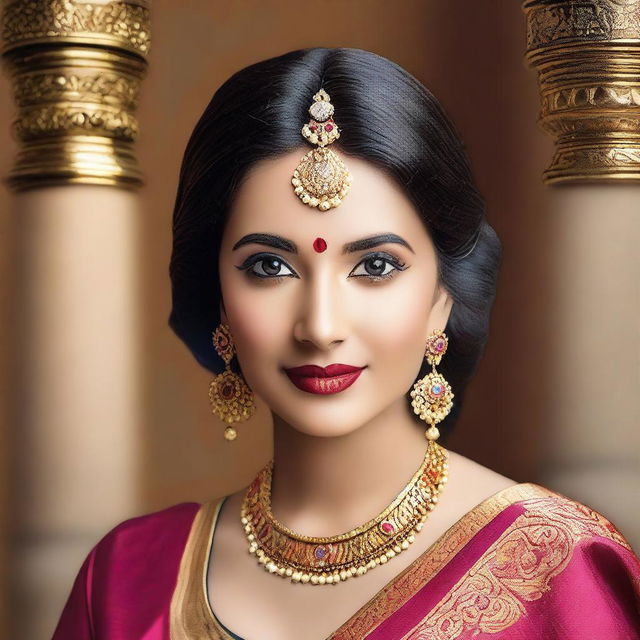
(587, 55)
(76, 69)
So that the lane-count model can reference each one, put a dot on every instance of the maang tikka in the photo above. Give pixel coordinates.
(432, 398)
(230, 396)
(321, 179)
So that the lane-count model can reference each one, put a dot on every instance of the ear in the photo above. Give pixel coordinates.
(440, 310)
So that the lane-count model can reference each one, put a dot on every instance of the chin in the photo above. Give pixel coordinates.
(321, 431)
(323, 424)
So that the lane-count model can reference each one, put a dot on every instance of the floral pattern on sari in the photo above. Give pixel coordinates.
(517, 568)
(397, 592)
(525, 563)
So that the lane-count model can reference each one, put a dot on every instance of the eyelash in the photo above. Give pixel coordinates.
(260, 257)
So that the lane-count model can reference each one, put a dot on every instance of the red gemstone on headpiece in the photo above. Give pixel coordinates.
(328, 127)
(313, 127)
(319, 245)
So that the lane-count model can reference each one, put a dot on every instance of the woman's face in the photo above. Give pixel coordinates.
(316, 288)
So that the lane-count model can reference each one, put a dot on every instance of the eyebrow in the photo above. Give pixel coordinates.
(279, 242)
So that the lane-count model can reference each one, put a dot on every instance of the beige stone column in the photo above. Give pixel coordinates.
(593, 448)
(587, 56)
(76, 70)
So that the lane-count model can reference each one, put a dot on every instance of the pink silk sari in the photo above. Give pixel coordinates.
(526, 563)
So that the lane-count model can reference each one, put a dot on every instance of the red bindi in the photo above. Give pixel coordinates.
(319, 245)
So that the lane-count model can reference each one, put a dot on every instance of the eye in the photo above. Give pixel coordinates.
(266, 266)
(378, 266)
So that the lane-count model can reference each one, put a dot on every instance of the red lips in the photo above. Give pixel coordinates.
(324, 380)
(313, 370)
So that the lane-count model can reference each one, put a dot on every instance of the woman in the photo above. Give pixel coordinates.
(332, 257)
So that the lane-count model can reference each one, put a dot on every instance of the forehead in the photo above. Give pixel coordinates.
(266, 202)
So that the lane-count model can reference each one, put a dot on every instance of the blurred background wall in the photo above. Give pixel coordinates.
(470, 54)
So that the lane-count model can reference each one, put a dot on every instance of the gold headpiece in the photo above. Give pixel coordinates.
(321, 179)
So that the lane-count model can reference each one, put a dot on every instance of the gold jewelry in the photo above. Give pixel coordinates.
(321, 179)
(231, 399)
(432, 396)
(329, 560)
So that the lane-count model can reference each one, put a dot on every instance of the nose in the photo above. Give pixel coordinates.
(321, 320)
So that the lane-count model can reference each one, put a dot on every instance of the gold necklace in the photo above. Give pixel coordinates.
(329, 560)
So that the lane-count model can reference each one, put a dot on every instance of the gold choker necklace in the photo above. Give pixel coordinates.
(329, 560)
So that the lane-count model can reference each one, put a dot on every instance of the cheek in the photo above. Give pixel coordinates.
(256, 317)
(398, 322)
(253, 327)
(395, 334)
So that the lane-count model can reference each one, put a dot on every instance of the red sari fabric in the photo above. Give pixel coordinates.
(524, 564)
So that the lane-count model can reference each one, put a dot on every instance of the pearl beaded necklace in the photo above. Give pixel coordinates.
(330, 560)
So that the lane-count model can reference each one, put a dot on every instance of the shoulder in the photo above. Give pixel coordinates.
(162, 528)
(529, 505)
(143, 550)
(577, 521)
(572, 559)
(128, 577)
(543, 565)
(556, 540)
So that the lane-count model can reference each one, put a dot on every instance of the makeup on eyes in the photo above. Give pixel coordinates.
(263, 258)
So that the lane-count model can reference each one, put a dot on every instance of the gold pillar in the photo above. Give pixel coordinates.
(587, 55)
(76, 69)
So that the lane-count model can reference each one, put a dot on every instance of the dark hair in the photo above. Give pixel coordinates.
(387, 118)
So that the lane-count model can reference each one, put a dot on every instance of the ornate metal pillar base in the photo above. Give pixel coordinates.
(76, 69)
(587, 55)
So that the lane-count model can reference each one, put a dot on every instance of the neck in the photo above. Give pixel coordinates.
(325, 486)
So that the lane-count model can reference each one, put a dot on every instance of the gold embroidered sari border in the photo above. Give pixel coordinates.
(516, 569)
(403, 587)
(191, 616)
(190, 607)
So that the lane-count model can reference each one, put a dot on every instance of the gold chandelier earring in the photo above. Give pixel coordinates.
(230, 396)
(431, 396)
